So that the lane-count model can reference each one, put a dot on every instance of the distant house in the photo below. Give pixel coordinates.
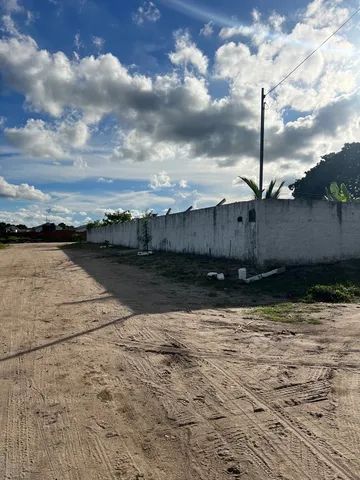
(45, 227)
(11, 229)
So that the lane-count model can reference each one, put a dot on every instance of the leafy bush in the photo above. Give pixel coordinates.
(111, 218)
(117, 217)
(337, 293)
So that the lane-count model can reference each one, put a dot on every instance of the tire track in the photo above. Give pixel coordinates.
(324, 456)
(194, 413)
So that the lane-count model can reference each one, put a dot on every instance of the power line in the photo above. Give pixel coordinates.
(314, 51)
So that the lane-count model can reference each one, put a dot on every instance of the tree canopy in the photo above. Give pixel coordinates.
(117, 217)
(341, 167)
(111, 218)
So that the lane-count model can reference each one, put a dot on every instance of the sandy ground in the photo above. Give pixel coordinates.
(107, 372)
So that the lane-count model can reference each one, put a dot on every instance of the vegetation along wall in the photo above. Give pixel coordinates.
(263, 232)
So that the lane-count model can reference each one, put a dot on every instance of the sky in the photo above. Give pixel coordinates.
(108, 105)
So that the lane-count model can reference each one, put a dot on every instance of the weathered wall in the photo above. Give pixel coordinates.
(302, 232)
(285, 232)
(222, 231)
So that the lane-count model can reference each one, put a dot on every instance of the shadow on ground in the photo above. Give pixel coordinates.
(165, 282)
(169, 281)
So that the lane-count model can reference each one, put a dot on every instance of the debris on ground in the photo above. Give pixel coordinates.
(265, 275)
(218, 276)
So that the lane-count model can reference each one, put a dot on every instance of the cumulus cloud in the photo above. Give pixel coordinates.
(187, 53)
(172, 116)
(22, 191)
(38, 139)
(183, 183)
(147, 12)
(160, 180)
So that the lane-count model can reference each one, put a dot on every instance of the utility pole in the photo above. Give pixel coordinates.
(262, 127)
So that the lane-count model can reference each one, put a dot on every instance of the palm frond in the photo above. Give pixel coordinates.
(277, 192)
(253, 186)
(269, 191)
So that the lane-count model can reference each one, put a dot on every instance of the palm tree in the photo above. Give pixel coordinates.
(258, 194)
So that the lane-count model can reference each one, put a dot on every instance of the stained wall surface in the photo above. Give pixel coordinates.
(261, 232)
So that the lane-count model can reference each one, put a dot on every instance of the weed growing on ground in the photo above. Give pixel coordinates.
(287, 313)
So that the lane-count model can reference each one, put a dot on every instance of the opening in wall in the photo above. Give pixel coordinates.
(252, 215)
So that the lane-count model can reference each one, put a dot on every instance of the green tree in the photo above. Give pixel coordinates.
(94, 224)
(148, 214)
(341, 167)
(270, 191)
(117, 217)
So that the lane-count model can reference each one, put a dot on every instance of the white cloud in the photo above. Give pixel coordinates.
(77, 41)
(207, 30)
(14, 7)
(147, 12)
(34, 215)
(22, 191)
(38, 139)
(80, 163)
(59, 209)
(172, 119)
(183, 183)
(98, 42)
(187, 53)
(160, 180)
(326, 13)
(11, 6)
(8, 26)
(104, 180)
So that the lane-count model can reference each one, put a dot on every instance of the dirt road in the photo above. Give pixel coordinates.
(107, 372)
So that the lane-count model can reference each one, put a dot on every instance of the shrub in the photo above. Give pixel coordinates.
(337, 293)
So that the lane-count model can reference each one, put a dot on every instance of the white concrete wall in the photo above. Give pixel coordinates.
(285, 232)
(304, 232)
(125, 234)
(214, 231)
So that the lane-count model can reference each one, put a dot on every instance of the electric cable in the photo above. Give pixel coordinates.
(314, 51)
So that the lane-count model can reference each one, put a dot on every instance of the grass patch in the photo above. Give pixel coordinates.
(287, 313)
(2, 245)
(337, 293)
(333, 283)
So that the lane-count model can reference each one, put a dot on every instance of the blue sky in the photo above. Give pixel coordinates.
(138, 104)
